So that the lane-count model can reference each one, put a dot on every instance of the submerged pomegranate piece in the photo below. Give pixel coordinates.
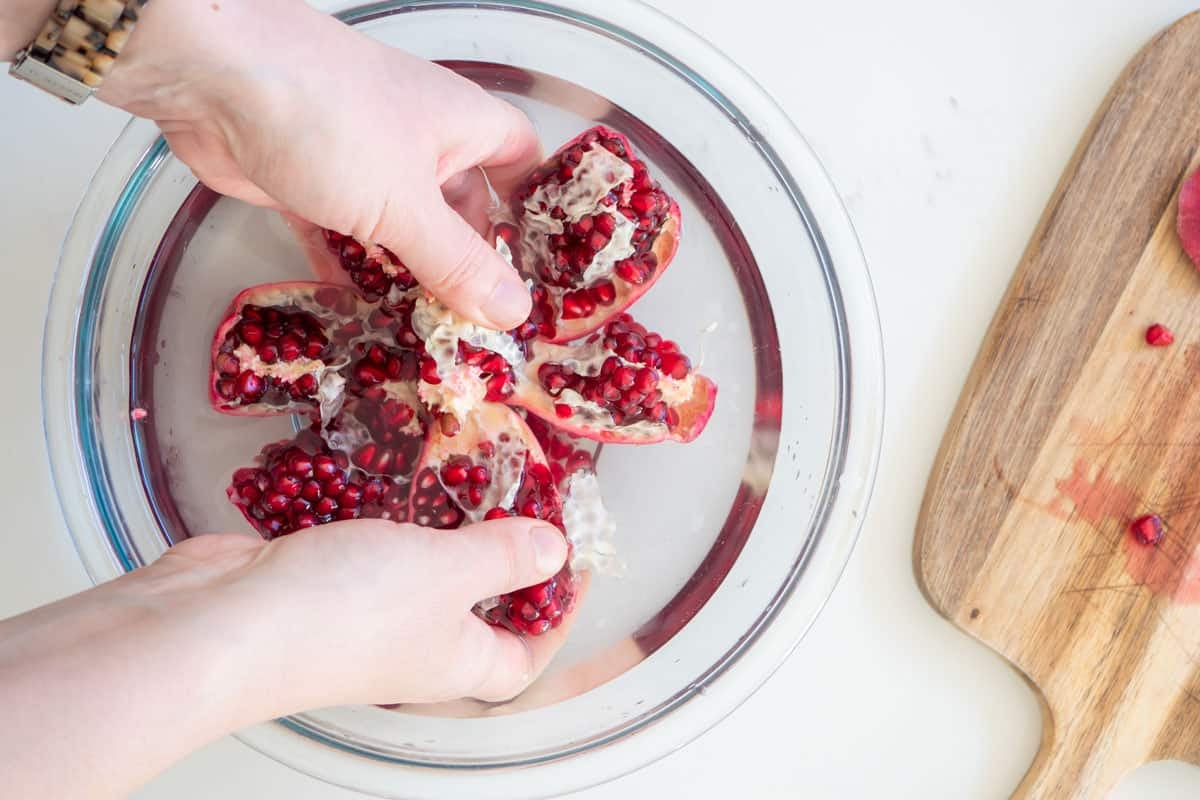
(411, 408)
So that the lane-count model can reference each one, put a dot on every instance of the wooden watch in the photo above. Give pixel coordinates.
(76, 49)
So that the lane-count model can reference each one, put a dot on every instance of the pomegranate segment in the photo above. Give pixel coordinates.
(593, 228)
(301, 483)
(495, 468)
(280, 346)
(373, 268)
(622, 384)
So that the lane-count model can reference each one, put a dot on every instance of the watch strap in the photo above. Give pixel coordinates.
(77, 46)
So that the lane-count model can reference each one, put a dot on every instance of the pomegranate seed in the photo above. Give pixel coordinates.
(562, 410)
(449, 424)
(364, 456)
(372, 492)
(288, 485)
(324, 467)
(429, 372)
(350, 497)
(479, 474)
(497, 513)
(646, 380)
(306, 384)
(276, 502)
(250, 386)
(454, 474)
(623, 378)
(1147, 529)
(676, 365)
(1158, 335)
(604, 294)
(475, 495)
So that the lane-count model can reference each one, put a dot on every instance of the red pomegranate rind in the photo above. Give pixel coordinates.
(1187, 224)
(634, 387)
(301, 483)
(470, 477)
(277, 342)
(582, 302)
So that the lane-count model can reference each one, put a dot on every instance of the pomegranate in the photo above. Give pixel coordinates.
(593, 229)
(621, 384)
(415, 413)
(301, 483)
(280, 345)
(493, 467)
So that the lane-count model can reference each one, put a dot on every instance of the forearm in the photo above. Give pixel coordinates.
(122, 680)
(20, 21)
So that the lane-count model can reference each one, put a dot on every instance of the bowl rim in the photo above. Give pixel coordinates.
(853, 469)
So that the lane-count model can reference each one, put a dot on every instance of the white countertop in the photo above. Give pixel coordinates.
(945, 130)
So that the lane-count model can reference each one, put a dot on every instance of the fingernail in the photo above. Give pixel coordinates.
(509, 304)
(549, 548)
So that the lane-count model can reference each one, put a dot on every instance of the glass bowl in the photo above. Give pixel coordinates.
(732, 543)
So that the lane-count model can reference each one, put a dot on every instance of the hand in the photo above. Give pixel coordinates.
(227, 630)
(373, 611)
(279, 105)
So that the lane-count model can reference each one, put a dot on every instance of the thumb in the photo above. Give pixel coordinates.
(504, 555)
(450, 259)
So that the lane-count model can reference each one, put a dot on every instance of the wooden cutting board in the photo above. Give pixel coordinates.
(1069, 427)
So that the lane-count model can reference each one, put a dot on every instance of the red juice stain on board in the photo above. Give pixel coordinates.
(1169, 567)
(1097, 500)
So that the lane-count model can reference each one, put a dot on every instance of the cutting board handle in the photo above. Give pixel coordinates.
(1087, 761)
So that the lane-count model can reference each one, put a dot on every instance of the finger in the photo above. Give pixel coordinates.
(450, 259)
(516, 153)
(503, 555)
(467, 193)
(504, 682)
(484, 685)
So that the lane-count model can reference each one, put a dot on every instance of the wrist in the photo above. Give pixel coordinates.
(198, 61)
(203, 596)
